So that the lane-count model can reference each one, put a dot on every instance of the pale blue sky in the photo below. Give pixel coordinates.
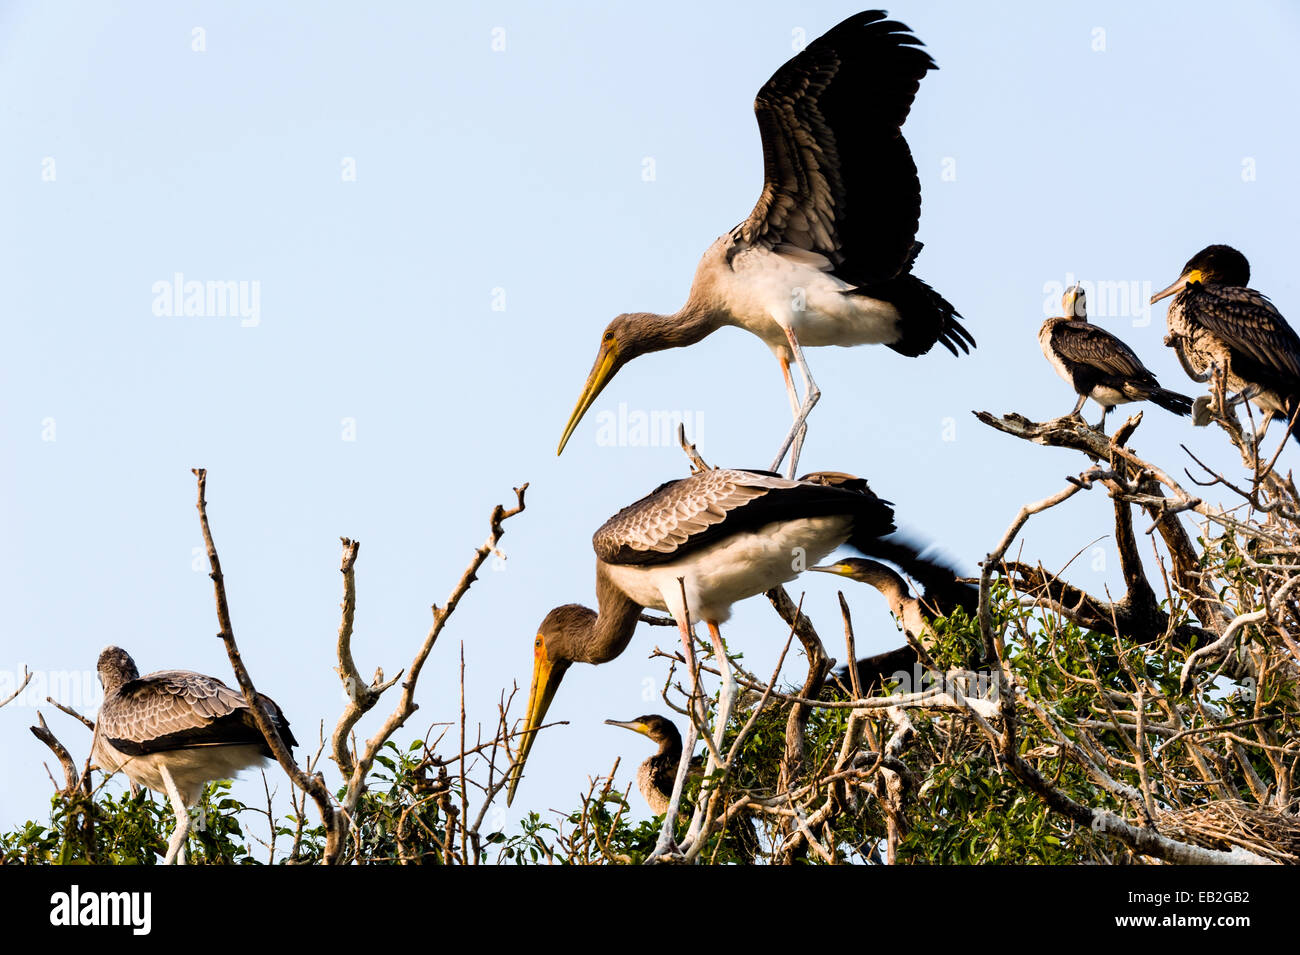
(515, 177)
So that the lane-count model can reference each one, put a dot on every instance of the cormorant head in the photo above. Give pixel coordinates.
(1074, 304)
(854, 567)
(1213, 265)
(874, 574)
(658, 728)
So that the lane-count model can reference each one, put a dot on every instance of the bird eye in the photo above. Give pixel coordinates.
(609, 336)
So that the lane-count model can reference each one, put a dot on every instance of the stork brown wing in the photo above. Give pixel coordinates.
(175, 709)
(657, 527)
(839, 177)
(682, 516)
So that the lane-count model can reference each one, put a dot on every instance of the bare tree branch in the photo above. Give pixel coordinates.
(314, 785)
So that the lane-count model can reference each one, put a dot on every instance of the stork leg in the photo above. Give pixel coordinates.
(1078, 407)
(667, 842)
(725, 700)
(728, 689)
(811, 395)
(794, 410)
(176, 847)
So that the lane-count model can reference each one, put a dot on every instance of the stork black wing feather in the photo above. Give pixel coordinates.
(839, 177)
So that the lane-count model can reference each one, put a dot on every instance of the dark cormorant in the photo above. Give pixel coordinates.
(1216, 321)
(655, 776)
(1098, 365)
(942, 594)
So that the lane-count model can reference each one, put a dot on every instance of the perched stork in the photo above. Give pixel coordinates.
(175, 731)
(1216, 321)
(693, 547)
(826, 256)
(1098, 365)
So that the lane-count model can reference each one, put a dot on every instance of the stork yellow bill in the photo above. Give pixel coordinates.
(607, 363)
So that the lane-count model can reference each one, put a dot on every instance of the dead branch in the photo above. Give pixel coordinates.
(27, 678)
(819, 664)
(1074, 434)
(406, 706)
(46, 736)
(314, 785)
(89, 724)
(361, 695)
(697, 462)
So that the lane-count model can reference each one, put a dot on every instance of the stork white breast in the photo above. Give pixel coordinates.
(732, 569)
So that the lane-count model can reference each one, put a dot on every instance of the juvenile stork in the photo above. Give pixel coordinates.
(1215, 321)
(693, 547)
(175, 731)
(1098, 365)
(826, 256)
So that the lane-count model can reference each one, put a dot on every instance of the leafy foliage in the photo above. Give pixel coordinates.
(1078, 697)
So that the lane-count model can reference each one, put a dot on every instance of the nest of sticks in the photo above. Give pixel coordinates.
(1228, 823)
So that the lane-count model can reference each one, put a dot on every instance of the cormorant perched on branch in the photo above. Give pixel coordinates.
(1216, 321)
(656, 775)
(1098, 365)
(943, 594)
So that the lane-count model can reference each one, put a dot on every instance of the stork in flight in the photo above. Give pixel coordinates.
(826, 256)
(693, 547)
(175, 731)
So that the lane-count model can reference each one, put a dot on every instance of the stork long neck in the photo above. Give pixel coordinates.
(691, 323)
(614, 625)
